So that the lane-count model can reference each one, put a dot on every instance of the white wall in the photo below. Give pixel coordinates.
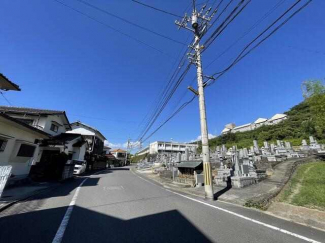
(44, 122)
(16, 136)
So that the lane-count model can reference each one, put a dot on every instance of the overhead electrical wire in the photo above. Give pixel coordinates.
(114, 29)
(248, 31)
(130, 22)
(233, 15)
(242, 55)
(234, 63)
(169, 118)
(180, 79)
(5, 98)
(157, 9)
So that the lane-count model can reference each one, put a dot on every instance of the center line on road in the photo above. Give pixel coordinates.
(60, 233)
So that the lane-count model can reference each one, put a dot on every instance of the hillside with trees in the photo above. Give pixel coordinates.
(304, 120)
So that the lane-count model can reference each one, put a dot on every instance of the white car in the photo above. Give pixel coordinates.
(79, 167)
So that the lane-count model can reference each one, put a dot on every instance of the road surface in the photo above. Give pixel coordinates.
(119, 206)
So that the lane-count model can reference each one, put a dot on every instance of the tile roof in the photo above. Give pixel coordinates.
(29, 110)
(33, 111)
(119, 151)
(6, 84)
(78, 123)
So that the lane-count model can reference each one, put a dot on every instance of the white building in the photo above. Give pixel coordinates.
(242, 128)
(231, 128)
(167, 147)
(19, 145)
(276, 119)
(52, 122)
(260, 122)
(94, 138)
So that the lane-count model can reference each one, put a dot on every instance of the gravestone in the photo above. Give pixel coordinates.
(266, 145)
(288, 145)
(186, 154)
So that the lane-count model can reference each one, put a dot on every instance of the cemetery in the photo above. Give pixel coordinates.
(230, 166)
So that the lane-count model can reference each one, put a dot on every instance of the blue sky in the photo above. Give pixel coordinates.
(65, 61)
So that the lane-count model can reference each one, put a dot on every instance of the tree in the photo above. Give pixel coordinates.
(312, 87)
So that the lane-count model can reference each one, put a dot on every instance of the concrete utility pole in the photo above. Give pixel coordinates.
(200, 22)
(127, 149)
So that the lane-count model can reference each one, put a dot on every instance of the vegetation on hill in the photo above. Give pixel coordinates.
(306, 188)
(304, 120)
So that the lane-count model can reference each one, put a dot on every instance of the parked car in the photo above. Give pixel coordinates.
(79, 166)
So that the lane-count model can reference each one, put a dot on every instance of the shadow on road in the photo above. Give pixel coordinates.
(227, 188)
(89, 226)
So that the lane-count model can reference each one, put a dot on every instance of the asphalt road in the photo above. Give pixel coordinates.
(119, 206)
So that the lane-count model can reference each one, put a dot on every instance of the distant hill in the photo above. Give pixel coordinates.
(304, 120)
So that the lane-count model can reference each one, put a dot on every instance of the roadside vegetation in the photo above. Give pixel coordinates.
(307, 187)
(304, 120)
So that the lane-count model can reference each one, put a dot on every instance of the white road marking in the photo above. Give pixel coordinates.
(249, 219)
(60, 233)
(237, 215)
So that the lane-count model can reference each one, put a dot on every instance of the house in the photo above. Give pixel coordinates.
(231, 128)
(19, 145)
(260, 122)
(119, 154)
(6, 84)
(242, 128)
(52, 122)
(277, 118)
(94, 138)
(94, 154)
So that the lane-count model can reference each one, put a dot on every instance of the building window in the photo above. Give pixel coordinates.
(26, 151)
(3, 144)
(54, 128)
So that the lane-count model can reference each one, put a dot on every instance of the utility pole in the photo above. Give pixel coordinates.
(199, 21)
(127, 149)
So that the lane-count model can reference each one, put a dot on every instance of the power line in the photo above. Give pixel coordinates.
(114, 29)
(241, 55)
(225, 24)
(157, 9)
(166, 101)
(169, 118)
(5, 98)
(129, 22)
(248, 31)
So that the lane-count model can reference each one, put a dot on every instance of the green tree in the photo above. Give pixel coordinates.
(312, 87)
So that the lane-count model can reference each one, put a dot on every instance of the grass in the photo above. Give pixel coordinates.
(307, 186)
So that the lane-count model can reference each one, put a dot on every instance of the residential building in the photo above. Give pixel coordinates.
(52, 122)
(94, 138)
(167, 147)
(232, 128)
(19, 145)
(119, 154)
(277, 118)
